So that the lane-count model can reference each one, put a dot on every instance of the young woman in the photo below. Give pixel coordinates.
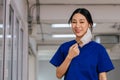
(82, 58)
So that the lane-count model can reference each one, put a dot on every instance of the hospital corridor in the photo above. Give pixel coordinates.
(31, 31)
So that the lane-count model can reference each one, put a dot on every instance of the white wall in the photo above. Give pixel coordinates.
(32, 66)
(46, 71)
(103, 13)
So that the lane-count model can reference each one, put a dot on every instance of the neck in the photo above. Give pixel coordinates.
(78, 39)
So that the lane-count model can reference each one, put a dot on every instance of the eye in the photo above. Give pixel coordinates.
(74, 22)
(81, 22)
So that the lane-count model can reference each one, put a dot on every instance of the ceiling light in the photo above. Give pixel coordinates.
(8, 36)
(1, 25)
(94, 24)
(97, 39)
(66, 25)
(60, 25)
(63, 35)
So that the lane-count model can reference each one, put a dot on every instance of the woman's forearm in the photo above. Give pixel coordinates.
(61, 70)
(73, 52)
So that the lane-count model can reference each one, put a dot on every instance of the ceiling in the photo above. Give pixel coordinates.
(76, 1)
(105, 13)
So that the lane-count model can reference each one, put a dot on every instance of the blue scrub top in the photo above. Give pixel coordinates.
(92, 60)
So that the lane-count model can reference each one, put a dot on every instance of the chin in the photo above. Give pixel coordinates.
(79, 35)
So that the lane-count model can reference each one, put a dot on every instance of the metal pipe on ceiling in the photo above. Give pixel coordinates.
(30, 16)
(38, 18)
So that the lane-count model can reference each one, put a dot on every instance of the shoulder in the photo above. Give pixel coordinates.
(64, 47)
(97, 45)
(101, 50)
(68, 43)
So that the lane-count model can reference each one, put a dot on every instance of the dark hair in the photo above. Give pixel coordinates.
(85, 13)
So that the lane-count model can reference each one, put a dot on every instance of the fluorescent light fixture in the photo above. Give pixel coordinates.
(98, 39)
(66, 25)
(1, 25)
(63, 35)
(8, 36)
(94, 24)
(1, 36)
(60, 25)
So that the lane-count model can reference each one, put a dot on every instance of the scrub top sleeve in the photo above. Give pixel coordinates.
(104, 62)
(58, 57)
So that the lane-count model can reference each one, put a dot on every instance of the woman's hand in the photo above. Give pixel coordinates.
(73, 51)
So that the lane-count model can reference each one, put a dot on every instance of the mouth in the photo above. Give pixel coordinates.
(77, 31)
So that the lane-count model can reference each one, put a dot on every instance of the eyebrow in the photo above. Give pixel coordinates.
(80, 19)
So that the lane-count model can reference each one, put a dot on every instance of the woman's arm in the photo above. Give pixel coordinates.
(103, 76)
(60, 71)
(73, 52)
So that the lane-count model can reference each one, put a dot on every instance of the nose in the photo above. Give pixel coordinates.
(78, 25)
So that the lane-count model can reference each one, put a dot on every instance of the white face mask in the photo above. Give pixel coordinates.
(86, 38)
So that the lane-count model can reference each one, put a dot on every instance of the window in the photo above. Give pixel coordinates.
(15, 49)
(1, 38)
(20, 56)
(9, 37)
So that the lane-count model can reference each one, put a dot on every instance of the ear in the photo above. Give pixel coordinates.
(89, 26)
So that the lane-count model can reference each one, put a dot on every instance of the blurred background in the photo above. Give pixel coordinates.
(43, 26)
(49, 28)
